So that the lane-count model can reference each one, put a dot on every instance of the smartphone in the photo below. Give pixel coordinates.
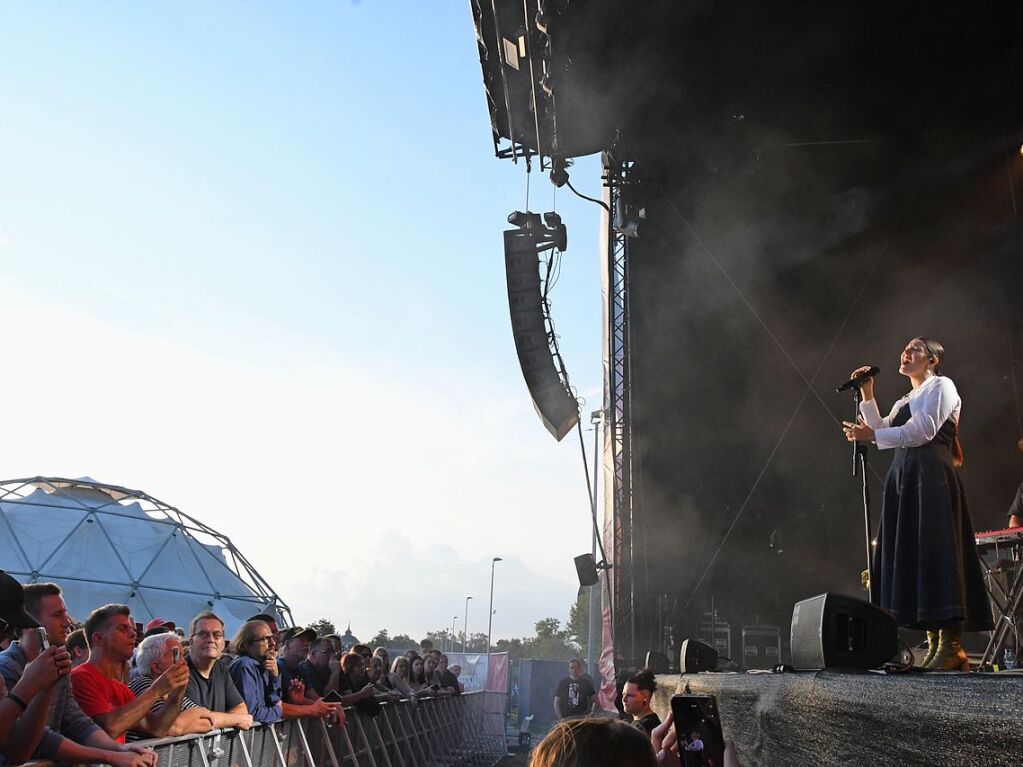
(698, 729)
(176, 654)
(44, 641)
(332, 697)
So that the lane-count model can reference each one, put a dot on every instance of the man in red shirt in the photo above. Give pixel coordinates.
(102, 695)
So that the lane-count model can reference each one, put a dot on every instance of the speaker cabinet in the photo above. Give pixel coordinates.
(555, 405)
(586, 569)
(835, 630)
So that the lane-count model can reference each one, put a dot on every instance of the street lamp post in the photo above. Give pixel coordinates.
(490, 618)
(465, 624)
(451, 648)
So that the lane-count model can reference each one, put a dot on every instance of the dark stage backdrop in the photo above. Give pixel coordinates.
(812, 203)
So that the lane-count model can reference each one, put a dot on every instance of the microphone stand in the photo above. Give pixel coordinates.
(859, 467)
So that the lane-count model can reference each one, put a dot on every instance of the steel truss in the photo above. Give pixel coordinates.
(618, 410)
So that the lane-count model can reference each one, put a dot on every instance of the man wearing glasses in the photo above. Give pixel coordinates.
(209, 683)
(257, 677)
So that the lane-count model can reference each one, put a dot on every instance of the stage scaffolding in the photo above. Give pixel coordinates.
(618, 454)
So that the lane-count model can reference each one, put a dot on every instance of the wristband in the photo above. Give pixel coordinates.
(19, 701)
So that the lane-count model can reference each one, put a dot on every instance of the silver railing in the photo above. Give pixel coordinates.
(464, 729)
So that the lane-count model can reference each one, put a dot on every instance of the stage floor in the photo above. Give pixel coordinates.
(830, 718)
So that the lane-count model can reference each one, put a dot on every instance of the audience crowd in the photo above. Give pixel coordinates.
(86, 695)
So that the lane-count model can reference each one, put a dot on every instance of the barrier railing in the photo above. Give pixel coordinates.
(433, 731)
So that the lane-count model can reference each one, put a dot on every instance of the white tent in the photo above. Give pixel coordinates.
(106, 544)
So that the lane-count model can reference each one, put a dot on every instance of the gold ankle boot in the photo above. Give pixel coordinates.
(950, 655)
(932, 647)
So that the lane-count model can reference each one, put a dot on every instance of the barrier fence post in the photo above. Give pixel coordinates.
(325, 734)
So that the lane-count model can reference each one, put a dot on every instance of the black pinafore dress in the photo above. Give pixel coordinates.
(925, 570)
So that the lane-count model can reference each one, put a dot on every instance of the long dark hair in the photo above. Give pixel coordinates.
(936, 351)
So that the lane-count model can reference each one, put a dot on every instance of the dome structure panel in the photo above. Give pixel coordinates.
(108, 544)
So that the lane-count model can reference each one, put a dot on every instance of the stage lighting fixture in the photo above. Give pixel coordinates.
(627, 218)
(696, 656)
(525, 220)
(559, 172)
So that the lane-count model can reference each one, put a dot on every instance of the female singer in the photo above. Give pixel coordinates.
(925, 569)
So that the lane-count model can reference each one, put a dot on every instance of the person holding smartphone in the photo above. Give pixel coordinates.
(925, 570)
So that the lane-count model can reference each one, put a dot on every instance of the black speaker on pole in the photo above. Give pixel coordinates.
(586, 569)
(836, 630)
(554, 403)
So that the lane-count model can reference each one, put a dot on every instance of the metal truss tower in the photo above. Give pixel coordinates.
(618, 410)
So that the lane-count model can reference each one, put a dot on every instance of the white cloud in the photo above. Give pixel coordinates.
(309, 463)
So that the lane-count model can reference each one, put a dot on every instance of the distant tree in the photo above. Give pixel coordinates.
(403, 642)
(441, 639)
(380, 639)
(548, 628)
(323, 627)
(579, 620)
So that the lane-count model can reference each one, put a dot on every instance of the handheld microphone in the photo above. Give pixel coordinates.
(856, 383)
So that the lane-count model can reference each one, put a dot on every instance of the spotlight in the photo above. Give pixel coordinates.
(552, 219)
(525, 220)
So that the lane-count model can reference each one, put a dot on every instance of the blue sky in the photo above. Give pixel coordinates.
(251, 260)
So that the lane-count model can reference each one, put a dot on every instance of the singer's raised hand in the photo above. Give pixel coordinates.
(867, 387)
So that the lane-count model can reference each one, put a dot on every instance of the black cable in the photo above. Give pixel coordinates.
(601, 203)
(596, 531)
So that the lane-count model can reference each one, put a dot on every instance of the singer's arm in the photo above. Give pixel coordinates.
(929, 413)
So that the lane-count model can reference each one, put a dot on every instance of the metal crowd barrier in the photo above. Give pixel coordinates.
(433, 731)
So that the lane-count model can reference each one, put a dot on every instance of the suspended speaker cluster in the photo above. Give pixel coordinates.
(554, 403)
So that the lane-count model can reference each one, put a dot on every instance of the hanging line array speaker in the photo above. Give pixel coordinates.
(554, 403)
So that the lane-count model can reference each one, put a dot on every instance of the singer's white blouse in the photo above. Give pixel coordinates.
(930, 405)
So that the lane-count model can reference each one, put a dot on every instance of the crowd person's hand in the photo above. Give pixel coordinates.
(731, 755)
(270, 664)
(244, 721)
(45, 670)
(322, 709)
(369, 691)
(340, 719)
(133, 756)
(296, 692)
(665, 744)
(334, 665)
(172, 680)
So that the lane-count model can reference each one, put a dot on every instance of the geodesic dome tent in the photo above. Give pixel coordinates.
(104, 543)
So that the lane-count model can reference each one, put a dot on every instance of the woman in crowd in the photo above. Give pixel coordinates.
(399, 677)
(432, 677)
(925, 569)
(385, 658)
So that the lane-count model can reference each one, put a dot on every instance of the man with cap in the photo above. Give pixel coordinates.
(23, 709)
(60, 719)
(69, 735)
(158, 626)
(294, 651)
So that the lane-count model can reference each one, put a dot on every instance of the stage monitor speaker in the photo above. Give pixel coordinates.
(696, 656)
(554, 403)
(835, 630)
(586, 569)
(657, 662)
